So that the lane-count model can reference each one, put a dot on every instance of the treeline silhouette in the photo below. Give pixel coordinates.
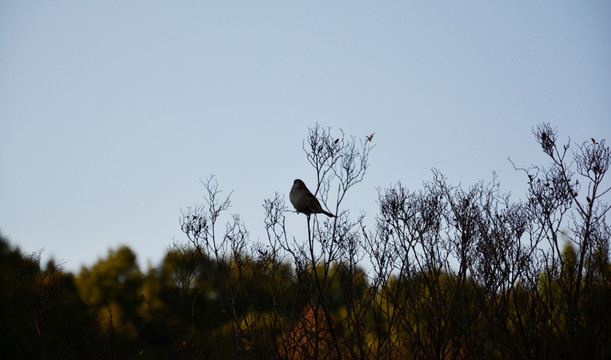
(445, 273)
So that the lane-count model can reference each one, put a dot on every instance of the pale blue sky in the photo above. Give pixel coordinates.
(111, 112)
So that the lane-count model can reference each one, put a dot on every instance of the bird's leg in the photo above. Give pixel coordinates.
(309, 232)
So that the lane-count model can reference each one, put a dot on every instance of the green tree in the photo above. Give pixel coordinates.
(111, 289)
(41, 315)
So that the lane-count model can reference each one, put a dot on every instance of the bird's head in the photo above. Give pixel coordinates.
(298, 184)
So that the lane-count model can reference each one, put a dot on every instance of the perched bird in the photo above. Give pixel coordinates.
(304, 201)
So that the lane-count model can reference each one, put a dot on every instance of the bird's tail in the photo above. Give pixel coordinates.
(328, 214)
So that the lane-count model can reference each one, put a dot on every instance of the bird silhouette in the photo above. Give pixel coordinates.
(304, 201)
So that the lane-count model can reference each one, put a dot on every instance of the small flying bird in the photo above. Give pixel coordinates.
(304, 201)
(370, 137)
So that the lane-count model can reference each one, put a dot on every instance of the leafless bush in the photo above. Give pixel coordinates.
(446, 272)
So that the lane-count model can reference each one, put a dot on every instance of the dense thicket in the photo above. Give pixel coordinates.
(446, 273)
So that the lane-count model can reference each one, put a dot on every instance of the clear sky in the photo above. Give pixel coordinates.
(112, 111)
